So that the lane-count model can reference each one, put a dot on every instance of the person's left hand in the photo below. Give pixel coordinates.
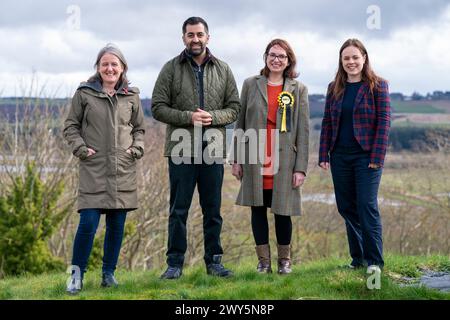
(201, 118)
(129, 151)
(236, 170)
(374, 166)
(297, 179)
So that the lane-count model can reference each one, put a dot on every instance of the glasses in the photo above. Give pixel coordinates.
(280, 57)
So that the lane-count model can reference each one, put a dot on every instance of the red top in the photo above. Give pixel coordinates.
(272, 108)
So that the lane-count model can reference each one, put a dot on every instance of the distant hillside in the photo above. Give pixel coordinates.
(8, 106)
(421, 106)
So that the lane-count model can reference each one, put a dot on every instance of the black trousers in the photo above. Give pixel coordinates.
(356, 190)
(183, 179)
(260, 224)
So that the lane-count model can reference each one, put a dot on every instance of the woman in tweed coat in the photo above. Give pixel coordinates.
(271, 150)
(353, 143)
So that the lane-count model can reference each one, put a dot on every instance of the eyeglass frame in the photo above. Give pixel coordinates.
(274, 56)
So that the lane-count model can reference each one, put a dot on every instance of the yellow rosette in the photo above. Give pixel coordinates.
(286, 102)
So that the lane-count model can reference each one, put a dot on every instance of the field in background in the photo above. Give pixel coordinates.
(418, 107)
(414, 202)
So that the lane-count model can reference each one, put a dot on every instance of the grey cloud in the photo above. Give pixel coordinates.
(327, 16)
(122, 19)
(149, 32)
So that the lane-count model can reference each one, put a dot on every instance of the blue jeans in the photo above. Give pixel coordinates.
(356, 190)
(84, 239)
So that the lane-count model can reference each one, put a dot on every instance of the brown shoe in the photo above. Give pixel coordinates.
(263, 253)
(284, 259)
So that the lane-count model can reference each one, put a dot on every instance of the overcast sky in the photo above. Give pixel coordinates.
(408, 40)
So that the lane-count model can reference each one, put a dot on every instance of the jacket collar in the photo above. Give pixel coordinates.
(94, 85)
(97, 87)
(289, 85)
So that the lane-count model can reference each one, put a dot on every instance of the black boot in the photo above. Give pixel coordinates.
(172, 273)
(108, 280)
(216, 268)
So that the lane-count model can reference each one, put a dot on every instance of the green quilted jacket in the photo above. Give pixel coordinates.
(175, 97)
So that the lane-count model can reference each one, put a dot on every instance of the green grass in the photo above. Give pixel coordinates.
(414, 107)
(315, 280)
(411, 124)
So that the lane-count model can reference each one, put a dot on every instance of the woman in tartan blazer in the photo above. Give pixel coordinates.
(353, 142)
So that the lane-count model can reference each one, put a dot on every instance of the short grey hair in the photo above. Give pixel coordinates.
(112, 49)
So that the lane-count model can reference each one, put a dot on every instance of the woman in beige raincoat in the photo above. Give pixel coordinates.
(274, 119)
(105, 130)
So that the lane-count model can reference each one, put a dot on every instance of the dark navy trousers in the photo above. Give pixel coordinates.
(356, 189)
(183, 178)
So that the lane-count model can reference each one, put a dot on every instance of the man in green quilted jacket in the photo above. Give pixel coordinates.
(196, 96)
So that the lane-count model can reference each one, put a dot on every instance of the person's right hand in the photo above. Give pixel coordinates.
(324, 165)
(201, 118)
(91, 152)
(236, 170)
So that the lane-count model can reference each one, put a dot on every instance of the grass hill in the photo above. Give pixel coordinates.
(316, 280)
(316, 105)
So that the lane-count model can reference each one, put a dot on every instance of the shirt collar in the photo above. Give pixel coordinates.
(185, 56)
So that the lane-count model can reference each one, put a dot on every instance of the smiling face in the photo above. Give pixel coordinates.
(195, 39)
(110, 69)
(353, 60)
(277, 59)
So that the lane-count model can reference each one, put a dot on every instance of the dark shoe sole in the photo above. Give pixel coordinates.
(284, 273)
(172, 278)
(264, 271)
(164, 277)
(219, 276)
(104, 285)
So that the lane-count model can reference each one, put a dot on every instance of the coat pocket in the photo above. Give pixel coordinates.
(126, 171)
(93, 174)
(125, 110)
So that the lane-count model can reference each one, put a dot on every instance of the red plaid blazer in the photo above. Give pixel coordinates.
(371, 122)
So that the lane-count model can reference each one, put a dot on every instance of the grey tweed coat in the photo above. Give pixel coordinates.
(292, 147)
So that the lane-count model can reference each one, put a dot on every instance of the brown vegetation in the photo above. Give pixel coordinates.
(420, 224)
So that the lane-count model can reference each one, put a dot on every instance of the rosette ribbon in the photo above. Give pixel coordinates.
(286, 103)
